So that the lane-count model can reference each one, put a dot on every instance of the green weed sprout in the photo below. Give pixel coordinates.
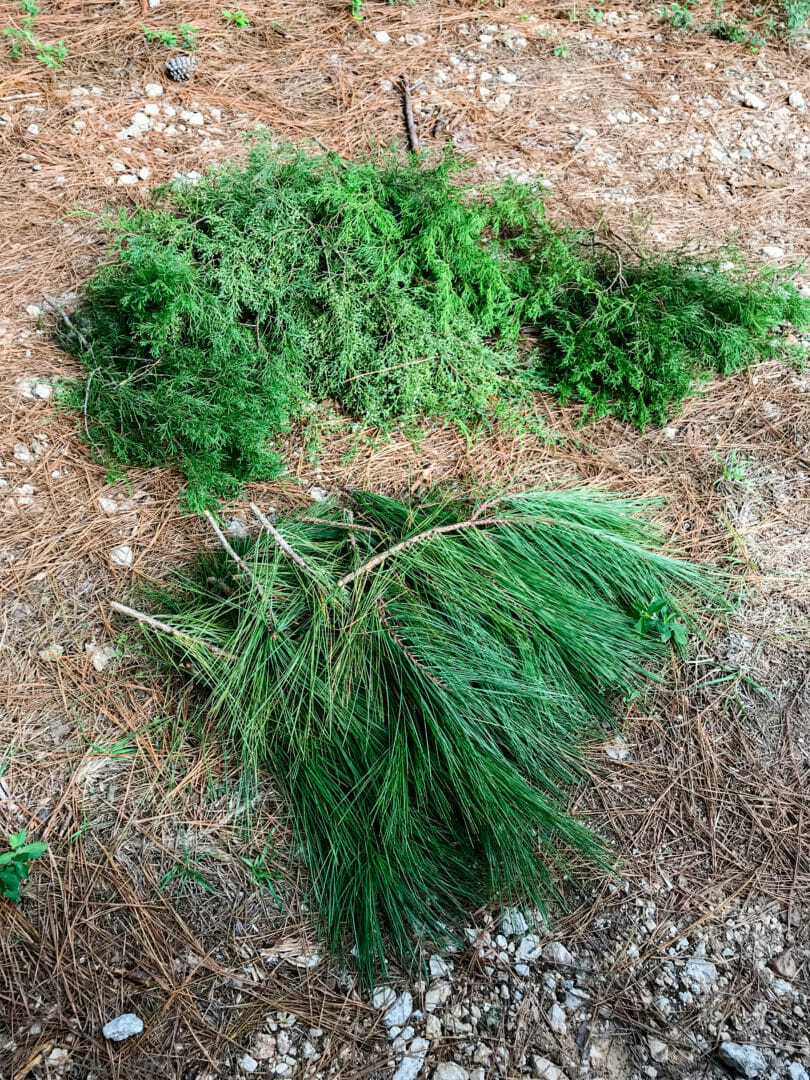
(15, 864)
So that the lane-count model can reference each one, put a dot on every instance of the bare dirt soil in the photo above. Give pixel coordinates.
(160, 894)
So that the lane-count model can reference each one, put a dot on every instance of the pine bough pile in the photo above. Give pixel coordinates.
(419, 679)
(229, 308)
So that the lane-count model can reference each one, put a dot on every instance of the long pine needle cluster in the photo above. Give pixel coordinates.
(418, 678)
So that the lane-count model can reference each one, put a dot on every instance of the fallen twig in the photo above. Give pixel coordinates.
(63, 315)
(410, 123)
(165, 628)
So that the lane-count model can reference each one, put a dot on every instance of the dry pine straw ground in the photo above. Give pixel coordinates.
(712, 799)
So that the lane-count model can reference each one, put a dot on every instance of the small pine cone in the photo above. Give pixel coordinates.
(180, 68)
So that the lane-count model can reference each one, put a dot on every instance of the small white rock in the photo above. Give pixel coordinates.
(556, 1019)
(771, 251)
(318, 494)
(411, 1064)
(383, 37)
(743, 1059)
(34, 310)
(556, 953)
(438, 968)
(122, 555)
(43, 391)
(51, 652)
(122, 1027)
(659, 1051)
(153, 89)
(383, 997)
(57, 1056)
(33, 129)
(754, 101)
(448, 1070)
(196, 119)
(796, 100)
(22, 453)
(248, 1064)
(140, 120)
(544, 1069)
(513, 921)
(415, 39)
(100, 657)
(144, 173)
(399, 1012)
(127, 179)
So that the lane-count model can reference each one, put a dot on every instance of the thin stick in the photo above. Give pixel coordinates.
(164, 628)
(438, 530)
(289, 551)
(332, 153)
(410, 123)
(60, 311)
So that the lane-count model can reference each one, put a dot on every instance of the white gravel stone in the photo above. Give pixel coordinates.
(383, 997)
(140, 120)
(771, 251)
(34, 310)
(700, 971)
(248, 1064)
(411, 1064)
(51, 652)
(318, 494)
(659, 1051)
(43, 391)
(399, 1011)
(144, 173)
(33, 129)
(796, 99)
(22, 453)
(122, 555)
(556, 953)
(437, 995)
(448, 1070)
(100, 657)
(557, 1020)
(438, 968)
(127, 180)
(383, 37)
(122, 1027)
(544, 1069)
(153, 89)
(754, 101)
(415, 39)
(744, 1060)
(513, 921)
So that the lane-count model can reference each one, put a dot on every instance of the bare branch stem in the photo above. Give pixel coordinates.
(165, 628)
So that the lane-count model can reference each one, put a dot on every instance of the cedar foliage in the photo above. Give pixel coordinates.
(424, 717)
(231, 306)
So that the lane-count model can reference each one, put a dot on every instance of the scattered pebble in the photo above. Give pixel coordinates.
(382, 36)
(51, 652)
(796, 99)
(153, 89)
(122, 1027)
(122, 555)
(399, 1012)
(744, 1060)
(754, 101)
(448, 1070)
(411, 1064)
(248, 1064)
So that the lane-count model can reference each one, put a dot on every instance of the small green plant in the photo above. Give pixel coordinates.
(23, 38)
(679, 16)
(183, 36)
(237, 18)
(797, 15)
(661, 620)
(15, 864)
(734, 468)
(560, 50)
(264, 875)
(728, 28)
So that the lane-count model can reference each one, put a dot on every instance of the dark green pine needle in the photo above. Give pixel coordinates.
(424, 719)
